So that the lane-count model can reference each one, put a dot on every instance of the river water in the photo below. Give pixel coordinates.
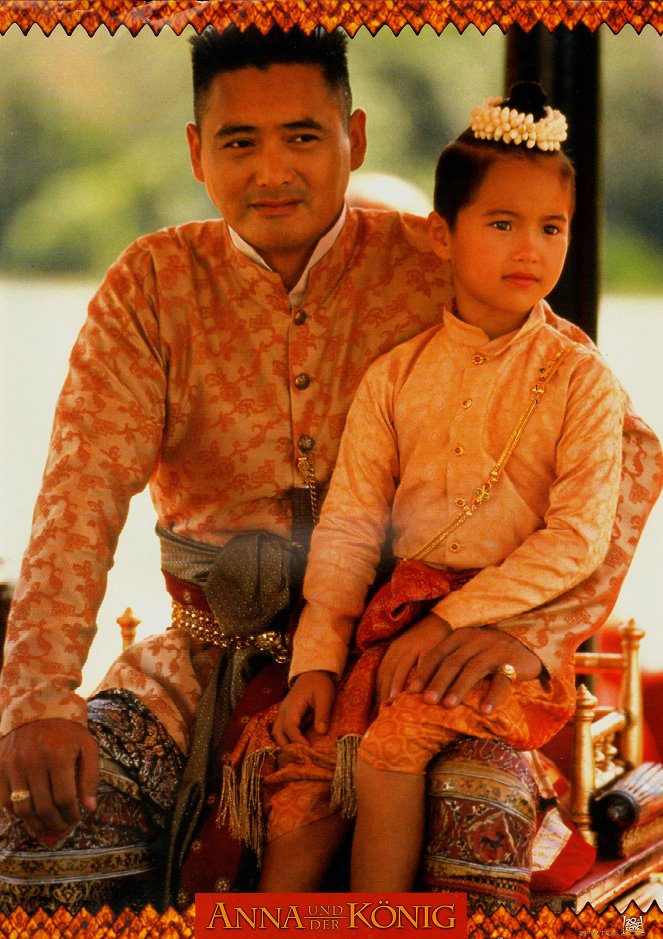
(38, 324)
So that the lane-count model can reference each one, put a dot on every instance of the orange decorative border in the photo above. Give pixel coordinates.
(351, 14)
(172, 925)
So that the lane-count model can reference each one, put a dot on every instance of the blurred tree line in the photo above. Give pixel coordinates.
(92, 147)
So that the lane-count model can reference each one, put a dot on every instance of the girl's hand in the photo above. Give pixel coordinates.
(406, 652)
(309, 701)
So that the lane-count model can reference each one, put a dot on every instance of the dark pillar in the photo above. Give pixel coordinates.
(5, 600)
(566, 63)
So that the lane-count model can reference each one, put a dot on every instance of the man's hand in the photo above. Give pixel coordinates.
(405, 652)
(449, 671)
(309, 700)
(56, 761)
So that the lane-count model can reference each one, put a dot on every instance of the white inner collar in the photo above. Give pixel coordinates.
(296, 295)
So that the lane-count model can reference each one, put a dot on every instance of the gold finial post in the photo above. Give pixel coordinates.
(128, 625)
(631, 698)
(582, 762)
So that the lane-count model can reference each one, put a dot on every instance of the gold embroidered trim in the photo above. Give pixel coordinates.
(482, 493)
(114, 776)
(44, 867)
(204, 626)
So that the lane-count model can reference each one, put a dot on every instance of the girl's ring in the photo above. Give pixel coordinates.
(508, 670)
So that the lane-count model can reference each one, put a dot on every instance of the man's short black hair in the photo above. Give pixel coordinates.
(214, 52)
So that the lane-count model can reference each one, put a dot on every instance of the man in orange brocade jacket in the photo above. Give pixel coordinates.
(217, 364)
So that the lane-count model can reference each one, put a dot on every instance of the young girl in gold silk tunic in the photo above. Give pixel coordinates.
(429, 445)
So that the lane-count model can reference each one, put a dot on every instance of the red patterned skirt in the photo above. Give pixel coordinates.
(267, 793)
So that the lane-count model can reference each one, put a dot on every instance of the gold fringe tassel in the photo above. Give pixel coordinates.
(343, 792)
(241, 804)
(228, 810)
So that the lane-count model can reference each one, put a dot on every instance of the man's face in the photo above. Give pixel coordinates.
(275, 156)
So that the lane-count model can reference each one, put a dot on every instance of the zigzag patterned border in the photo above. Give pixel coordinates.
(172, 925)
(351, 14)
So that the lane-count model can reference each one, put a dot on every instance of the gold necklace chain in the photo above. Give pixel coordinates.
(482, 493)
(305, 467)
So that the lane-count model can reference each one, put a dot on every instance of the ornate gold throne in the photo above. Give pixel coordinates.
(607, 741)
(606, 763)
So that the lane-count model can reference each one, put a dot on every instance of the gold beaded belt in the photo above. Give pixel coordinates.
(203, 625)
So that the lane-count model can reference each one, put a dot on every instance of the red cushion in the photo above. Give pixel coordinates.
(560, 854)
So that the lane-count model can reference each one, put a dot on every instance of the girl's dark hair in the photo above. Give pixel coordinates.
(464, 163)
(213, 52)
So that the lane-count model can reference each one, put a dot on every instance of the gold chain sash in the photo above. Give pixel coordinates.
(482, 493)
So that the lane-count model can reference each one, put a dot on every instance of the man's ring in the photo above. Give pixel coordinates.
(508, 671)
(19, 795)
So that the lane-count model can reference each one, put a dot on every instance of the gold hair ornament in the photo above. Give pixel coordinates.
(493, 120)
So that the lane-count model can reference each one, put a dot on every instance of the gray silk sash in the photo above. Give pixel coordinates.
(246, 582)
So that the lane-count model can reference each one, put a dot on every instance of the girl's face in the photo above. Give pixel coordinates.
(509, 243)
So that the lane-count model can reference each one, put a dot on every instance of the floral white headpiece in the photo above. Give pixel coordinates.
(494, 120)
